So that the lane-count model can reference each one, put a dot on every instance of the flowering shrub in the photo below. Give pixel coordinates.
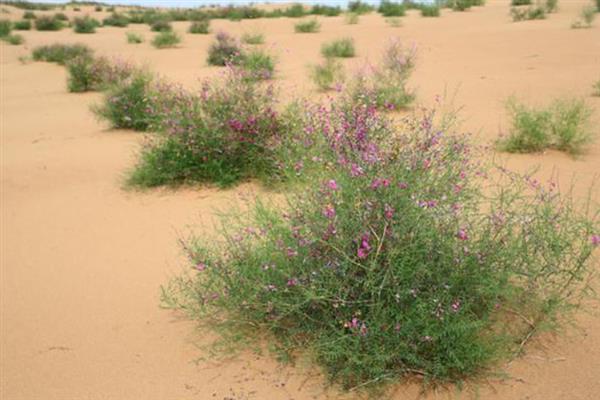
(85, 24)
(200, 27)
(343, 48)
(327, 74)
(225, 50)
(392, 261)
(87, 73)
(258, 65)
(223, 134)
(385, 85)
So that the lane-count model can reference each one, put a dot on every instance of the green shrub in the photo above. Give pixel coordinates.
(161, 26)
(530, 13)
(358, 7)
(326, 11)
(328, 74)
(521, 2)
(587, 16)
(253, 38)
(200, 27)
(117, 20)
(258, 65)
(85, 25)
(430, 11)
(29, 15)
(596, 88)
(60, 17)
(87, 73)
(166, 39)
(342, 48)
(564, 125)
(225, 49)
(45, 23)
(393, 262)
(551, 6)
(5, 27)
(14, 39)
(295, 11)
(598, 5)
(463, 5)
(309, 26)
(388, 8)
(98, 9)
(352, 18)
(23, 25)
(134, 38)
(223, 136)
(60, 53)
(394, 22)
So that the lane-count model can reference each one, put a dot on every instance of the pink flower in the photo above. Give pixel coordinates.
(362, 253)
(595, 240)
(292, 282)
(456, 306)
(291, 252)
(378, 182)
(200, 266)
(356, 170)
(329, 212)
(365, 247)
(403, 185)
(332, 184)
(462, 234)
(389, 211)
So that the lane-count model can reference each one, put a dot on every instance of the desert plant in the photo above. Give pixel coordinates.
(98, 9)
(327, 74)
(45, 23)
(388, 8)
(134, 38)
(87, 73)
(253, 38)
(430, 10)
(394, 22)
(200, 27)
(258, 65)
(5, 27)
(596, 88)
(358, 7)
(60, 17)
(117, 20)
(60, 53)
(85, 25)
(327, 11)
(564, 125)
(521, 2)
(587, 16)
(225, 49)
(551, 6)
(309, 26)
(529, 13)
(352, 18)
(161, 26)
(295, 11)
(23, 25)
(393, 262)
(166, 39)
(29, 15)
(342, 48)
(14, 39)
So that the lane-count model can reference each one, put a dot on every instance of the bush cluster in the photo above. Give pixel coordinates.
(166, 39)
(134, 38)
(202, 26)
(88, 73)
(46, 23)
(61, 53)
(85, 25)
(342, 48)
(116, 19)
(23, 25)
(328, 74)
(309, 26)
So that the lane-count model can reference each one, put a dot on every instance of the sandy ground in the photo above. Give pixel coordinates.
(82, 259)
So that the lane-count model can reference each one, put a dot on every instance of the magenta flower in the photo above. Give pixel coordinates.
(403, 185)
(462, 234)
(456, 306)
(365, 247)
(329, 212)
(200, 266)
(292, 282)
(595, 240)
(389, 211)
(379, 182)
(332, 184)
(291, 252)
(356, 170)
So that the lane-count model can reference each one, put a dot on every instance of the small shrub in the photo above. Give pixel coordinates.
(166, 39)
(253, 38)
(430, 11)
(358, 7)
(327, 11)
(388, 8)
(15, 40)
(5, 27)
(258, 65)
(161, 26)
(89, 74)
(564, 126)
(295, 11)
(29, 15)
(596, 88)
(310, 26)
(23, 25)
(200, 27)
(588, 14)
(76, 9)
(328, 74)
(551, 6)
(134, 38)
(352, 18)
(85, 25)
(60, 17)
(61, 53)
(44, 23)
(225, 49)
(117, 20)
(464, 5)
(98, 9)
(530, 13)
(394, 22)
(521, 2)
(598, 5)
(342, 48)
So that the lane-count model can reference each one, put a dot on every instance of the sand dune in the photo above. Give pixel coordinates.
(82, 259)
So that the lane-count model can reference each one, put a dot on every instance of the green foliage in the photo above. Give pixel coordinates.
(13, 39)
(564, 125)
(327, 74)
(45, 23)
(352, 18)
(551, 6)
(342, 48)
(134, 38)
(5, 27)
(166, 39)
(596, 88)
(85, 25)
(430, 10)
(23, 25)
(258, 65)
(61, 53)
(587, 16)
(200, 27)
(295, 11)
(394, 22)
(253, 38)
(225, 49)
(161, 26)
(117, 20)
(98, 9)
(372, 271)
(60, 17)
(463, 5)
(388, 8)
(29, 15)
(87, 73)
(326, 11)
(309, 26)
(529, 13)
(521, 2)
(358, 7)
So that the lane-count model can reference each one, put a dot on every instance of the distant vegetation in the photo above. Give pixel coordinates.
(310, 26)
(85, 24)
(166, 39)
(327, 74)
(134, 38)
(46, 23)
(342, 48)
(200, 27)
(61, 53)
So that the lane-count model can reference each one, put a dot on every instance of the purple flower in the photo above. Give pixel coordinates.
(595, 240)
(329, 212)
(365, 247)
(456, 305)
(389, 211)
(200, 266)
(292, 282)
(291, 252)
(462, 234)
(356, 170)
(332, 184)
(379, 182)
(403, 185)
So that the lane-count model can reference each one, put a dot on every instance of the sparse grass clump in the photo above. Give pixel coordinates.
(388, 8)
(14, 39)
(564, 125)
(85, 25)
(60, 17)
(23, 25)
(352, 18)
(225, 49)
(551, 6)
(253, 38)
(358, 7)
(587, 16)
(117, 20)
(392, 262)
(45, 23)
(430, 10)
(61, 53)
(327, 74)
(87, 73)
(200, 27)
(596, 88)
(464, 5)
(134, 38)
(29, 15)
(342, 48)
(5, 27)
(528, 13)
(309, 26)
(258, 65)
(223, 136)
(394, 22)
(161, 26)
(166, 39)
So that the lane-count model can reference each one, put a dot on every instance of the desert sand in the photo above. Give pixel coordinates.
(82, 259)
